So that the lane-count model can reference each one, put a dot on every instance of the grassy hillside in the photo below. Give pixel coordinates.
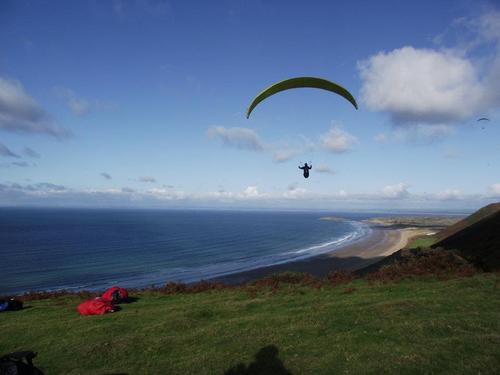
(423, 241)
(479, 243)
(412, 327)
(477, 216)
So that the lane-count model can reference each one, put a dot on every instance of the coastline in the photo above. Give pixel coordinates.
(380, 243)
(359, 251)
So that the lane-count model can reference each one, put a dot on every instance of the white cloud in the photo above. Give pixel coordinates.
(421, 85)
(31, 153)
(5, 151)
(489, 25)
(324, 169)
(20, 113)
(242, 138)
(81, 106)
(295, 192)
(397, 191)
(338, 140)
(251, 191)
(416, 133)
(280, 156)
(449, 194)
(147, 179)
(45, 193)
(248, 194)
(490, 31)
(423, 133)
(441, 86)
(22, 164)
(494, 190)
(166, 194)
(381, 138)
(47, 186)
(451, 153)
(284, 150)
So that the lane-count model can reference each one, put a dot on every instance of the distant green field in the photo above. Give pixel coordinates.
(416, 221)
(420, 326)
(426, 241)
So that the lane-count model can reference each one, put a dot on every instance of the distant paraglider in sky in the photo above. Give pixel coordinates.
(483, 119)
(301, 82)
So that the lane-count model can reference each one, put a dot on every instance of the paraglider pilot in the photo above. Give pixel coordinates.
(306, 169)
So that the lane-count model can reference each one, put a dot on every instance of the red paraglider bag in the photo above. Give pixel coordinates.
(97, 306)
(115, 294)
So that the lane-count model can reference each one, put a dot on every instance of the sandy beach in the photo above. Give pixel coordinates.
(380, 243)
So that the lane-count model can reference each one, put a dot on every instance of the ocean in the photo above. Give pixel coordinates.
(74, 249)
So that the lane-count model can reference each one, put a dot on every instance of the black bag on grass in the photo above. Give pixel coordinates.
(15, 304)
(11, 305)
(19, 363)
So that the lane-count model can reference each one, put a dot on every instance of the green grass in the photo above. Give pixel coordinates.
(426, 241)
(421, 326)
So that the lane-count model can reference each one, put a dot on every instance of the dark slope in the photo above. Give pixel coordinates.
(479, 243)
(477, 216)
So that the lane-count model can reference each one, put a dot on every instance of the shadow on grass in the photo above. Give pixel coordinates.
(130, 300)
(266, 362)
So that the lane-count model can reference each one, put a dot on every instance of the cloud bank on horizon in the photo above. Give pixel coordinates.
(14, 194)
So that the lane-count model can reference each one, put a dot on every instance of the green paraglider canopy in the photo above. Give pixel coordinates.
(298, 82)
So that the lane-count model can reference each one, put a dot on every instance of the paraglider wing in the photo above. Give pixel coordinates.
(483, 119)
(298, 82)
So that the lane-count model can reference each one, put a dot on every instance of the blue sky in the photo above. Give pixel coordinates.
(142, 104)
